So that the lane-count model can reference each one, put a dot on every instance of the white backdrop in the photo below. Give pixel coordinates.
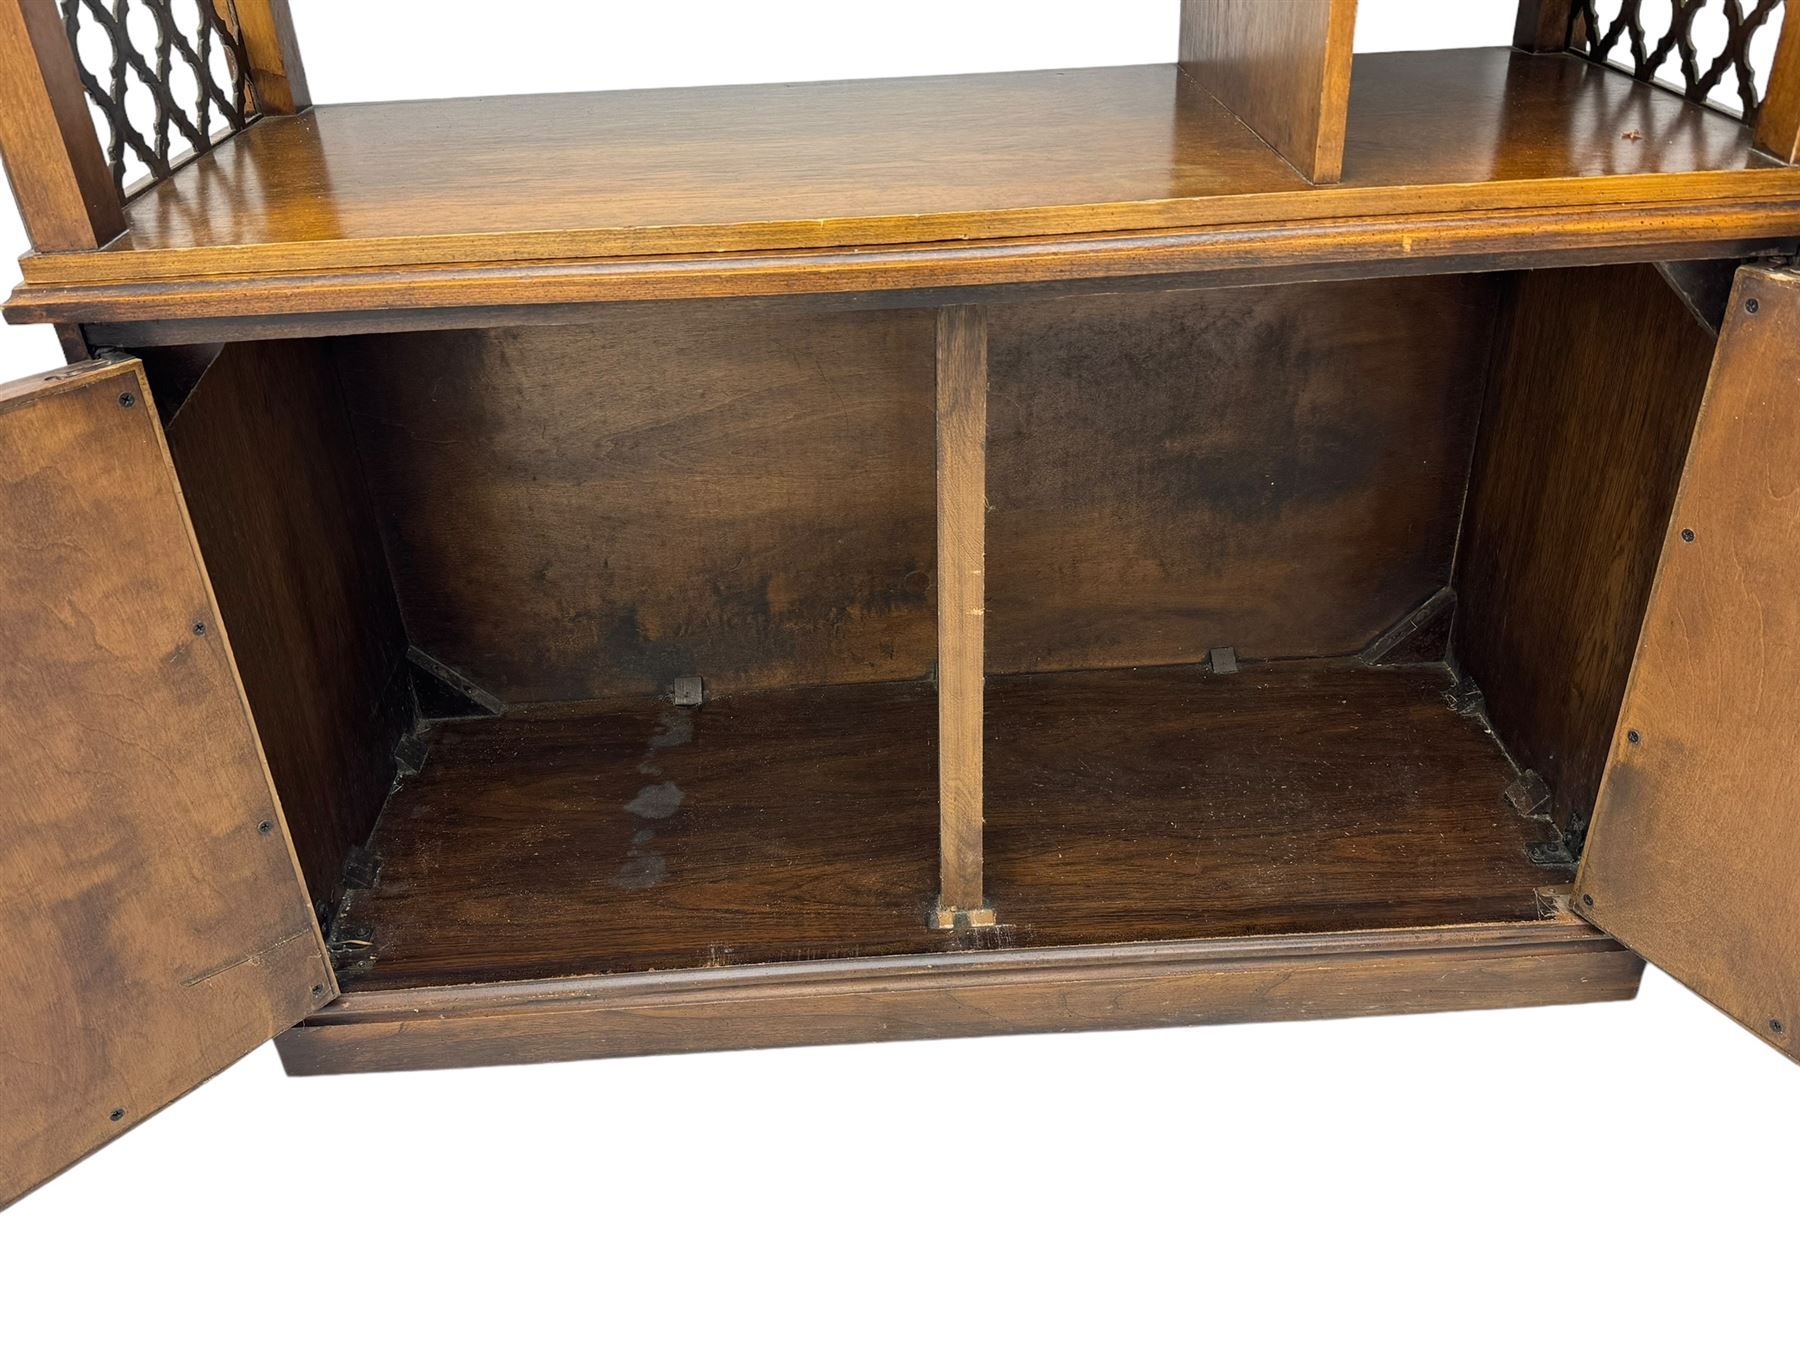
(1559, 1176)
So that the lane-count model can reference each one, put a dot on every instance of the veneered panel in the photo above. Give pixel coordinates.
(153, 927)
(1695, 855)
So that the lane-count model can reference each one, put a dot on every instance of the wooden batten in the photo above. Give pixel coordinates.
(53, 158)
(1283, 69)
(276, 74)
(961, 597)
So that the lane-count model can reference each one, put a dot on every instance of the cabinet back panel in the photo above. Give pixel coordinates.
(1598, 376)
(1278, 469)
(588, 512)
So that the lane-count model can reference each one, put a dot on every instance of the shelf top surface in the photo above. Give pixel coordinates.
(847, 165)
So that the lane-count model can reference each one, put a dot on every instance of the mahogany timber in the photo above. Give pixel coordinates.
(1283, 69)
(153, 924)
(1695, 855)
(263, 449)
(58, 173)
(1557, 960)
(962, 507)
(1277, 469)
(802, 824)
(1597, 379)
(1117, 171)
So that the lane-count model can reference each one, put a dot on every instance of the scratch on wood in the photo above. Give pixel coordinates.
(248, 959)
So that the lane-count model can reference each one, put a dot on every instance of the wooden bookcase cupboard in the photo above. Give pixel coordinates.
(1263, 536)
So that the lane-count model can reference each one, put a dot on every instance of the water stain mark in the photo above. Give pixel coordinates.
(656, 801)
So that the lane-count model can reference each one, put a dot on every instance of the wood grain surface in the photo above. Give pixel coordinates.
(153, 924)
(1598, 377)
(1695, 855)
(802, 824)
(1511, 965)
(1277, 469)
(1283, 69)
(592, 512)
(263, 450)
(440, 203)
(962, 508)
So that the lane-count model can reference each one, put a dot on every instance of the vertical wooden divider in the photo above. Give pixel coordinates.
(1283, 69)
(961, 607)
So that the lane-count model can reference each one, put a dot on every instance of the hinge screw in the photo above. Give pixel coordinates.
(127, 400)
(1633, 737)
(117, 1114)
(1687, 536)
(318, 991)
(199, 627)
(1752, 305)
(1588, 900)
(265, 826)
(1775, 1025)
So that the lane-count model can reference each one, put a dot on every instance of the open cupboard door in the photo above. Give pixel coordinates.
(153, 925)
(1694, 858)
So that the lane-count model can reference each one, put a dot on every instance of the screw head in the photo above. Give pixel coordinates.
(1752, 305)
(1588, 900)
(1687, 536)
(199, 627)
(1776, 1026)
(265, 827)
(128, 400)
(318, 991)
(1633, 737)
(116, 1114)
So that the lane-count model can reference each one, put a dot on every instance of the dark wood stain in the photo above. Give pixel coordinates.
(1598, 376)
(1510, 965)
(797, 825)
(591, 512)
(282, 514)
(1160, 804)
(1278, 469)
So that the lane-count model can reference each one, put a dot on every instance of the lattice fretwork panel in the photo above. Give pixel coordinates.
(166, 79)
(1711, 51)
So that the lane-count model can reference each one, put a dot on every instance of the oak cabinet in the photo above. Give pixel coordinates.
(722, 568)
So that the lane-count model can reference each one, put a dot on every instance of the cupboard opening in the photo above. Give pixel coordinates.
(1308, 609)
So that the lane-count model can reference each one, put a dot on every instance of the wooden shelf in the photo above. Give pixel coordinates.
(675, 191)
(1125, 806)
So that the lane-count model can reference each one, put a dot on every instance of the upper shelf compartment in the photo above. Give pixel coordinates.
(1484, 157)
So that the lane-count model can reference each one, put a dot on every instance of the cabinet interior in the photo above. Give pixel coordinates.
(1309, 608)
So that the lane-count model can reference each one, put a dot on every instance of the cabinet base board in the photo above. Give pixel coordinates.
(1500, 965)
